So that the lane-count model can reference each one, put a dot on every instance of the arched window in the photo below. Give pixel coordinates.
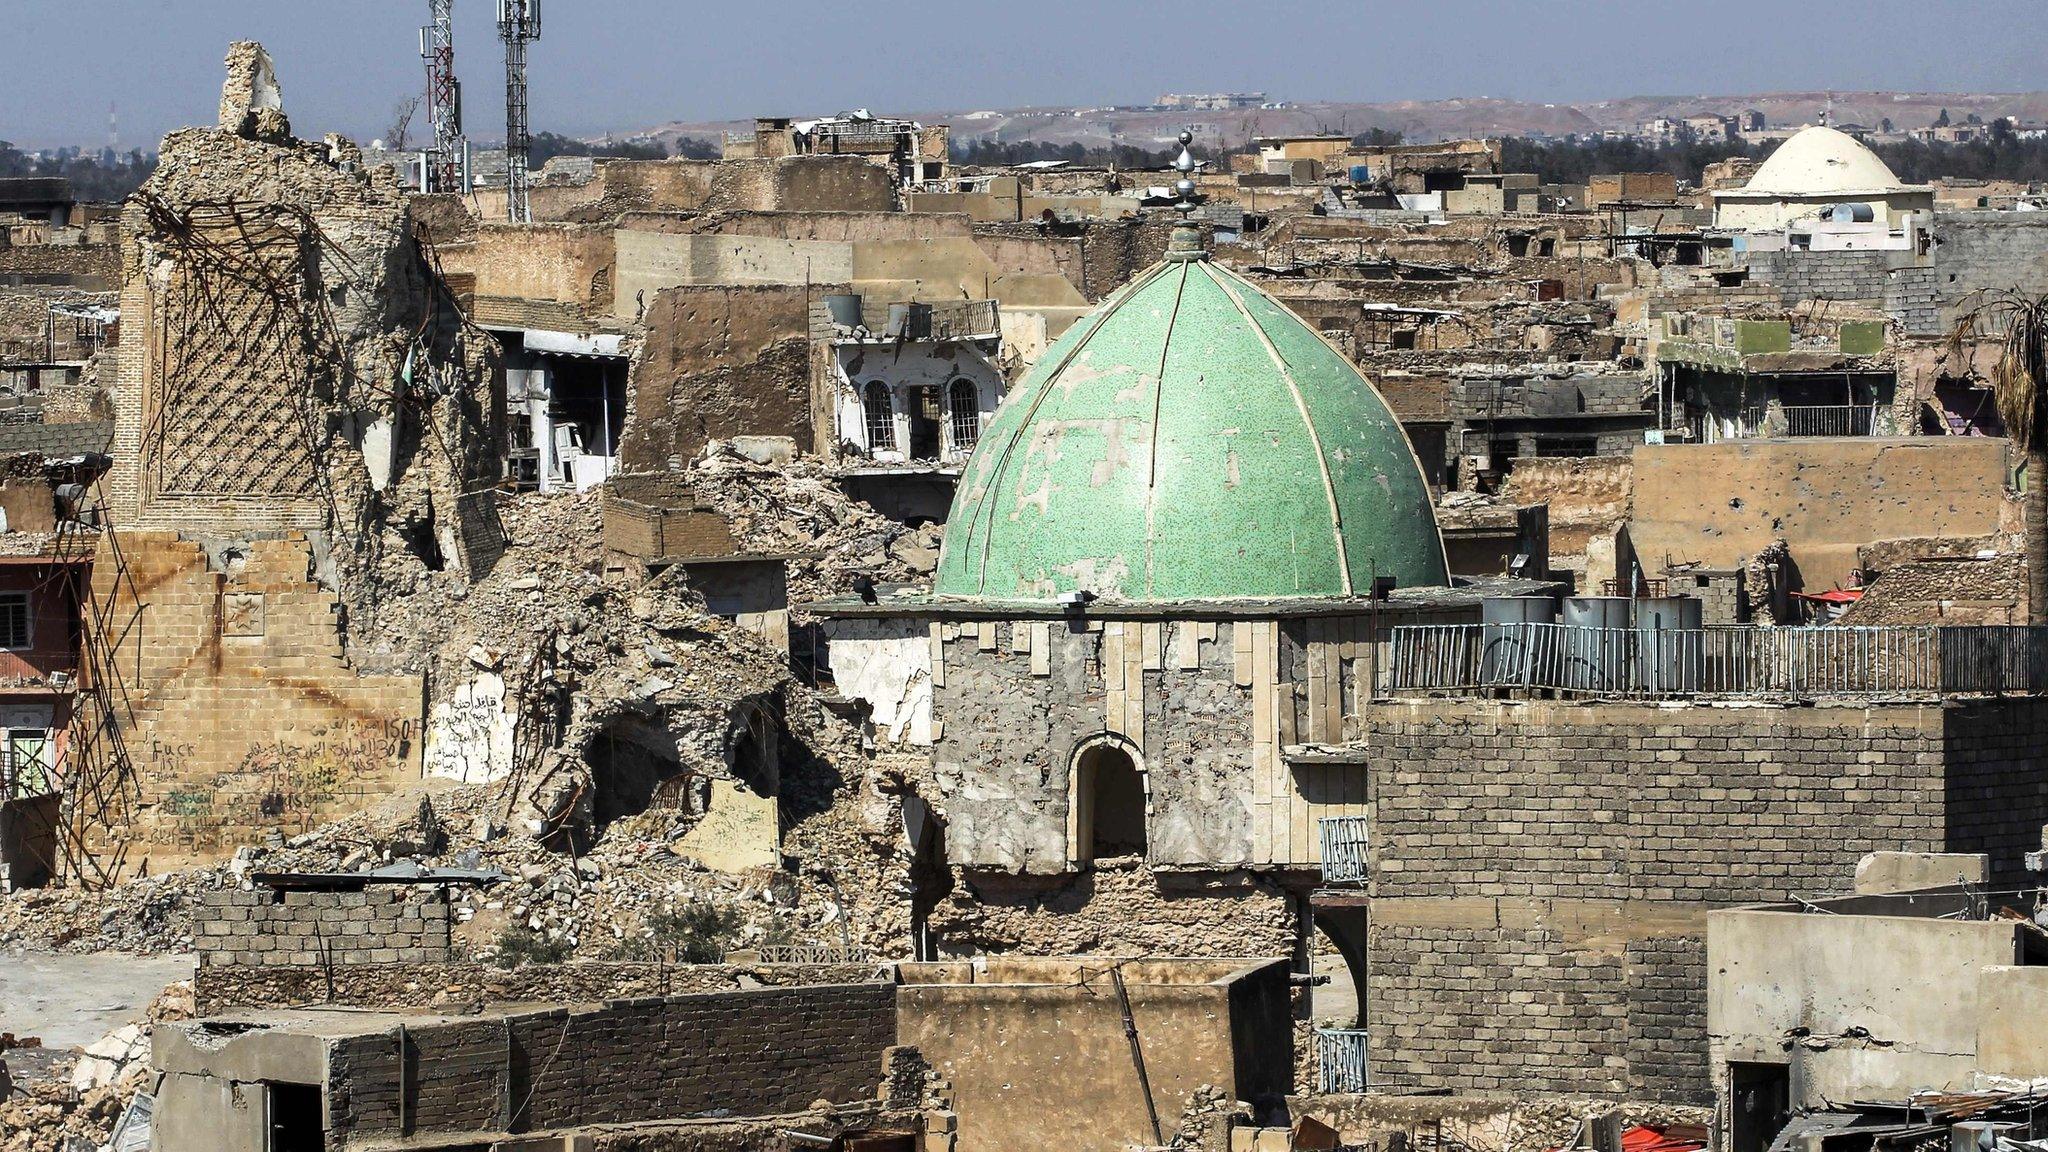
(881, 417)
(963, 403)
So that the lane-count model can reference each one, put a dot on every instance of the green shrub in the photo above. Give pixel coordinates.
(698, 934)
(519, 946)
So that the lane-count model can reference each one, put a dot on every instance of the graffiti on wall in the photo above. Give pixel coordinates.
(469, 735)
(279, 781)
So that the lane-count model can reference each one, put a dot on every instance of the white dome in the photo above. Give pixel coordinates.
(1820, 161)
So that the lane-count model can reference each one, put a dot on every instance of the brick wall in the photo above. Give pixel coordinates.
(1542, 871)
(755, 1052)
(246, 715)
(387, 924)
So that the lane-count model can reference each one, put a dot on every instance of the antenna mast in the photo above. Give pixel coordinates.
(518, 22)
(445, 167)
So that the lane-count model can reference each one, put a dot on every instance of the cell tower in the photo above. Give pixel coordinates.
(518, 22)
(445, 167)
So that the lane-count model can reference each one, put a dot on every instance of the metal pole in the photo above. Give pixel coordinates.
(1123, 996)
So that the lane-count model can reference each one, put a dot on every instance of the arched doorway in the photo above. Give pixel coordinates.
(1108, 803)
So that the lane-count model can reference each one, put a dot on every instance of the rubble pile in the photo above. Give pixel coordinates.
(846, 889)
(799, 509)
(47, 1112)
(1206, 1119)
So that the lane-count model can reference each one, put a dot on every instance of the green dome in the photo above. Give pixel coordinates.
(1191, 439)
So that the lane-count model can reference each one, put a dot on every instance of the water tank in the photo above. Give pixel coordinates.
(1599, 611)
(1593, 653)
(1853, 214)
(1670, 644)
(1518, 610)
(844, 308)
(1670, 612)
(1504, 651)
(1361, 175)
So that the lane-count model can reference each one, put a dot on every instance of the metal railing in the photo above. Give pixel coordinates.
(1739, 662)
(1766, 423)
(1340, 1060)
(1829, 420)
(1344, 844)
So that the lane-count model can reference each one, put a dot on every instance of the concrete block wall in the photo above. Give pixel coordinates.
(386, 924)
(1973, 252)
(1861, 276)
(445, 1076)
(1542, 870)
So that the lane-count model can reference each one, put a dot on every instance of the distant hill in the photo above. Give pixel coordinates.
(1423, 120)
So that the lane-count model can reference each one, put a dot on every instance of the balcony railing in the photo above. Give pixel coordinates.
(1830, 420)
(1799, 420)
(1570, 660)
(1340, 1060)
(1344, 845)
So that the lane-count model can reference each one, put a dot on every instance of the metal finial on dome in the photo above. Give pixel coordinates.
(1185, 165)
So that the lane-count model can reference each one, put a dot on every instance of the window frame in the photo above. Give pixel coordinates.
(878, 429)
(28, 620)
(955, 418)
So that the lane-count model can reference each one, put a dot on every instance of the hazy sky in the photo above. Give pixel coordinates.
(625, 64)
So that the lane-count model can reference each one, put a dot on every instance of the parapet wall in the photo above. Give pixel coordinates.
(470, 986)
(751, 1053)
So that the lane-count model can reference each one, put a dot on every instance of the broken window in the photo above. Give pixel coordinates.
(924, 422)
(881, 417)
(14, 618)
(965, 404)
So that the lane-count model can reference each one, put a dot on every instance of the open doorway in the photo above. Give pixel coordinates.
(925, 417)
(1109, 804)
(1759, 1104)
(294, 1121)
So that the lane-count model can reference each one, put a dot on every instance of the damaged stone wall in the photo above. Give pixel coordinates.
(1028, 695)
(1563, 916)
(471, 987)
(1117, 908)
